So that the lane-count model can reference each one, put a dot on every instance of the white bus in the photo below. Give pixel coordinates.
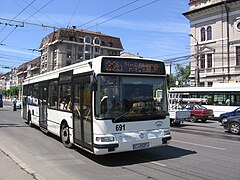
(221, 97)
(103, 105)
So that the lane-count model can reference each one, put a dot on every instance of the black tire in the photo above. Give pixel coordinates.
(29, 120)
(203, 120)
(194, 119)
(234, 128)
(65, 136)
(177, 123)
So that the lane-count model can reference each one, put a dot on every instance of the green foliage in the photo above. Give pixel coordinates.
(181, 75)
(172, 80)
(14, 90)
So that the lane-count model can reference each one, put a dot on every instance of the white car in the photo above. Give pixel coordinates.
(18, 105)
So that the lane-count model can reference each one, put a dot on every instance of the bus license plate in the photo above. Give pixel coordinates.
(141, 146)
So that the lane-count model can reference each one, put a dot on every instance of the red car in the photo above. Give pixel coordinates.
(199, 112)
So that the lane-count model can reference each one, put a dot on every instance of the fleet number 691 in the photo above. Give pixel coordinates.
(120, 127)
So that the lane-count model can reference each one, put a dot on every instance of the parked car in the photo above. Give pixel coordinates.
(18, 105)
(199, 112)
(226, 115)
(232, 124)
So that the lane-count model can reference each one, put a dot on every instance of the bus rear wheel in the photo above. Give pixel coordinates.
(65, 136)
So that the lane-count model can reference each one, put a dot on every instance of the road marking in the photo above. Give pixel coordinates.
(201, 145)
(155, 163)
(159, 164)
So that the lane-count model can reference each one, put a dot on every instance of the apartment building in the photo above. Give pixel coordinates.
(214, 41)
(67, 46)
(28, 69)
(9, 79)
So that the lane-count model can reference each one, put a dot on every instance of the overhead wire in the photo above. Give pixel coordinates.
(108, 13)
(26, 10)
(147, 4)
(73, 13)
(18, 14)
(26, 20)
(49, 18)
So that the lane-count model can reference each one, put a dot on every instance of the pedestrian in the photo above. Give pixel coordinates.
(15, 104)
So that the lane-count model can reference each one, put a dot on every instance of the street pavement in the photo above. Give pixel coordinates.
(10, 166)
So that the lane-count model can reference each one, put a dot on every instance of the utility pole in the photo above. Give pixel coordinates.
(228, 43)
(197, 70)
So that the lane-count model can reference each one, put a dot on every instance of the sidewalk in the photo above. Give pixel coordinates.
(11, 170)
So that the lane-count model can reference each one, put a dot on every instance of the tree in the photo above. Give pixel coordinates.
(172, 80)
(14, 90)
(182, 75)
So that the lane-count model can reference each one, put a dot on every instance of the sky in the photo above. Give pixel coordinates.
(152, 28)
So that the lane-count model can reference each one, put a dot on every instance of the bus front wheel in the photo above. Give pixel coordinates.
(65, 136)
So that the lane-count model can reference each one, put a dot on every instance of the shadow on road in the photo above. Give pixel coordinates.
(136, 157)
(11, 125)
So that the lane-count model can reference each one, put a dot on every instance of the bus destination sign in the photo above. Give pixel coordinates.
(125, 65)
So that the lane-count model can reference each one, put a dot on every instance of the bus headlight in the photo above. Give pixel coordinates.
(105, 139)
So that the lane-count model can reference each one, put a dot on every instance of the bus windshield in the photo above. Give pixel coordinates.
(128, 98)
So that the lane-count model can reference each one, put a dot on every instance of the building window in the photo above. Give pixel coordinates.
(81, 40)
(55, 54)
(68, 62)
(87, 39)
(238, 55)
(87, 56)
(80, 56)
(202, 61)
(209, 33)
(87, 49)
(203, 35)
(209, 60)
(237, 25)
(97, 41)
(69, 55)
(69, 46)
(110, 44)
(80, 48)
(210, 84)
(97, 50)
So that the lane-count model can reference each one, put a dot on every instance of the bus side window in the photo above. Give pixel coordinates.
(65, 97)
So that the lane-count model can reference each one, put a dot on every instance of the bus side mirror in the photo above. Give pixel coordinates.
(93, 81)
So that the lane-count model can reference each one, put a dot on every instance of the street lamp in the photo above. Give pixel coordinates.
(197, 71)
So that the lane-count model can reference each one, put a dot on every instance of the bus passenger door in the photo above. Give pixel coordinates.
(82, 112)
(43, 90)
(24, 102)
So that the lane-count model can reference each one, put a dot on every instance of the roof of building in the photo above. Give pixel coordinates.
(127, 54)
(205, 7)
(34, 62)
(77, 35)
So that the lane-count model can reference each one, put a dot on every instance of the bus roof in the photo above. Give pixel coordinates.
(81, 67)
(217, 87)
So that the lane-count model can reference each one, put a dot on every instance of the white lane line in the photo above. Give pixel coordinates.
(159, 164)
(155, 163)
(201, 145)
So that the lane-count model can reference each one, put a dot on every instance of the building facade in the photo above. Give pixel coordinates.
(68, 46)
(214, 41)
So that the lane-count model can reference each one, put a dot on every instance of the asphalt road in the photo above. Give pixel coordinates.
(197, 151)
